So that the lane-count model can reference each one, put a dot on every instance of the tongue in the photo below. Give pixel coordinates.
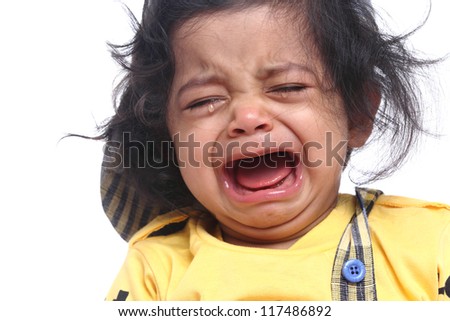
(262, 172)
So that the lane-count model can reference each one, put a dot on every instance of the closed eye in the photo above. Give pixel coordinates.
(207, 103)
(203, 103)
(285, 89)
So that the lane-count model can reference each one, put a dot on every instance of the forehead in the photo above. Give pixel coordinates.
(249, 37)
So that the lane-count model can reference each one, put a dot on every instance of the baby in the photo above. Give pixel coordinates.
(224, 158)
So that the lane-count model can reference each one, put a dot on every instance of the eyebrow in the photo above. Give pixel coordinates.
(284, 67)
(198, 81)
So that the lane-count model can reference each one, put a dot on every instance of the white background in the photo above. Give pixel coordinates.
(56, 77)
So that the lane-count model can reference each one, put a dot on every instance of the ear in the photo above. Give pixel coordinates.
(360, 132)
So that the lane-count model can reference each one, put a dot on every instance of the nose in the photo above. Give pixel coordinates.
(248, 120)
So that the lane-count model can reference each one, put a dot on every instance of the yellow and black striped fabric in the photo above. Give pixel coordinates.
(356, 244)
(121, 202)
(126, 209)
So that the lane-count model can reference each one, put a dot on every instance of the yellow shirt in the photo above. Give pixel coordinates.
(411, 250)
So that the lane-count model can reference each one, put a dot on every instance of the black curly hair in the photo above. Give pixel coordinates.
(357, 56)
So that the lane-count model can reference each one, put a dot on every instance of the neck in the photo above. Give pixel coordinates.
(235, 238)
(281, 245)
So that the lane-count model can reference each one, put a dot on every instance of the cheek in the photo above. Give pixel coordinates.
(187, 151)
(198, 176)
(189, 168)
(194, 156)
(196, 146)
(328, 151)
(172, 125)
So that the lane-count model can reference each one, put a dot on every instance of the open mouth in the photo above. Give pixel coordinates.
(262, 176)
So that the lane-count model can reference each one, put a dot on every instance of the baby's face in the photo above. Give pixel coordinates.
(260, 141)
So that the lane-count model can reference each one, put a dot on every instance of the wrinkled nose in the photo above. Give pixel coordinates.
(248, 121)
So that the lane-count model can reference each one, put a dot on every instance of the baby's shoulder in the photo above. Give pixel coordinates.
(166, 230)
(413, 210)
(402, 202)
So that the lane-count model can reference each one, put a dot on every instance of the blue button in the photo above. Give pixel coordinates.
(354, 271)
